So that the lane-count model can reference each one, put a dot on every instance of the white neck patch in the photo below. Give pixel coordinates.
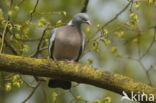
(70, 22)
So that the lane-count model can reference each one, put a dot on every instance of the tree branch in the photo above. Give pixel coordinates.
(33, 11)
(74, 72)
(115, 17)
(40, 42)
(3, 37)
(84, 9)
(33, 91)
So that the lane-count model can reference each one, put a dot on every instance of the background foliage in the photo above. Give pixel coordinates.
(122, 40)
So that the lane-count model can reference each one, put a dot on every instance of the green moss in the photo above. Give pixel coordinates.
(74, 72)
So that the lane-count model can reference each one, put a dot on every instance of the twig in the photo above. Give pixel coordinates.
(131, 6)
(9, 45)
(43, 48)
(33, 91)
(31, 14)
(138, 44)
(28, 40)
(40, 42)
(28, 84)
(3, 37)
(150, 46)
(110, 21)
(141, 64)
(8, 77)
(21, 2)
(84, 9)
(115, 17)
(146, 71)
(11, 3)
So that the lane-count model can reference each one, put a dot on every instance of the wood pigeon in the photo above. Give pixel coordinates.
(67, 43)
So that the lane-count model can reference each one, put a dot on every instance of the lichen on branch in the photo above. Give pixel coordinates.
(74, 72)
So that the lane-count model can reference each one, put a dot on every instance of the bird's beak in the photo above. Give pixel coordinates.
(88, 22)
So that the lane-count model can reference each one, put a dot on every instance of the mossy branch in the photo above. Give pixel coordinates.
(75, 72)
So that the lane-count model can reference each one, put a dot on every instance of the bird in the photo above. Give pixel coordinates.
(67, 43)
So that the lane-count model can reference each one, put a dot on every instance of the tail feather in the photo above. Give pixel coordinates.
(59, 84)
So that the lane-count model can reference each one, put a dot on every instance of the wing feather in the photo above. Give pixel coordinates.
(82, 46)
(51, 43)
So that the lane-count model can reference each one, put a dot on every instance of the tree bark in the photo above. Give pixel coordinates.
(74, 72)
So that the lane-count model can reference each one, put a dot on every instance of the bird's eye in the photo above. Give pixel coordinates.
(83, 19)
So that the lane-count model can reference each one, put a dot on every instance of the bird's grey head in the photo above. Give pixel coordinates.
(80, 18)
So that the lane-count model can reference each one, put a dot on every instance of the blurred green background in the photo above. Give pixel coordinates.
(125, 46)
